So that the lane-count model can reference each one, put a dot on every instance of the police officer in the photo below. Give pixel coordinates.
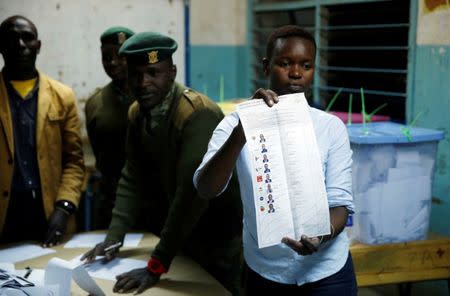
(106, 123)
(170, 126)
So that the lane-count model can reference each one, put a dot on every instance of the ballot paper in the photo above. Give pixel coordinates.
(60, 272)
(23, 252)
(288, 182)
(10, 280)
(9, 267)
(88, 240)
(24, 282)
(34, 275)
(49, 290)
(111, 269)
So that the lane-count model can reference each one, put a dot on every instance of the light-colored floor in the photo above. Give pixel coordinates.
(432, 288)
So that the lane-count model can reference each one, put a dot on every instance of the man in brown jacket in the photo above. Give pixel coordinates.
(41, 160)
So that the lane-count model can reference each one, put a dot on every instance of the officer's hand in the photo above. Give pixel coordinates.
(268, 95)
(99, 250)
(306, 245)
(56, 227)
(140, 279)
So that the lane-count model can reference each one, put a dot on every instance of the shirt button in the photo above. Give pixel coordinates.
(29, 182)
(25, 163)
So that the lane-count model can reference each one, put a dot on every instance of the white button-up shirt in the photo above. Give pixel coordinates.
(279, 263)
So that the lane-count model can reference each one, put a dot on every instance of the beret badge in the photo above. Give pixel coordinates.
(152, 57)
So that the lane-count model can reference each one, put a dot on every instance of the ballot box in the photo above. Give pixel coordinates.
(392, 173)
(357, 117)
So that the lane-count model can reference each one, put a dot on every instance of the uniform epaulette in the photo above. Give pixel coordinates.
(189, 102)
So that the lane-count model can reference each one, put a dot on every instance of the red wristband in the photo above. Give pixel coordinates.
(155, 266)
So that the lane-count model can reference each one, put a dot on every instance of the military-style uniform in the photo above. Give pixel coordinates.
(106, 123)
(164, 147)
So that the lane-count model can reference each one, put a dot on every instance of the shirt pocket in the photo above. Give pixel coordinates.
(54, 127)
(54, 116)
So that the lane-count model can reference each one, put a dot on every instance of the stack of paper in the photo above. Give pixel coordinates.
(9, 280)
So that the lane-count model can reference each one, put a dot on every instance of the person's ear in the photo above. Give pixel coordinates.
(266, 66)
(38, 46)
(173, 72)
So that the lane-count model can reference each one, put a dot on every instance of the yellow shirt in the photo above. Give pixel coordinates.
(23, 87)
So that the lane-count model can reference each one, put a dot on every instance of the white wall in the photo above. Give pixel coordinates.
(218, 22)
(70, 31)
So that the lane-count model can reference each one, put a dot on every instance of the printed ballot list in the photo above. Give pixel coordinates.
(288, 181)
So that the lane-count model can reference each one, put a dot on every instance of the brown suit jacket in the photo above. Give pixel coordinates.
(59, 147)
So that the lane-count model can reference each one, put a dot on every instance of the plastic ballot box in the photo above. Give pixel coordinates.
(393, 167)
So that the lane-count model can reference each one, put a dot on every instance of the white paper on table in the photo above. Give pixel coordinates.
(88, 240)
(8, 267)
(11, 292)
(111, 269)
(61, 272)
(85, 282)
(34, 291)
(36, 276)
(49, 290)
(283, 137)
(23, 252)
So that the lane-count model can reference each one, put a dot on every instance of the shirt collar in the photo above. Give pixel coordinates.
(160, 111)
(30, 95)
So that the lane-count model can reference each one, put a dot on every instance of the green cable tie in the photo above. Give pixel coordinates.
(406, 130)
(363, 111)
(369, 116)
(330, 104)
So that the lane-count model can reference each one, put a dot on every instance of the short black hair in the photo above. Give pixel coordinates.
(285, 32)
(10, 19)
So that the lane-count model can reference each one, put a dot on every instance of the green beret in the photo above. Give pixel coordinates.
(148, 47)
(116, 35)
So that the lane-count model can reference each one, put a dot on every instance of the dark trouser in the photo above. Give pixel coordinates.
(25, 218)
(342, 283)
